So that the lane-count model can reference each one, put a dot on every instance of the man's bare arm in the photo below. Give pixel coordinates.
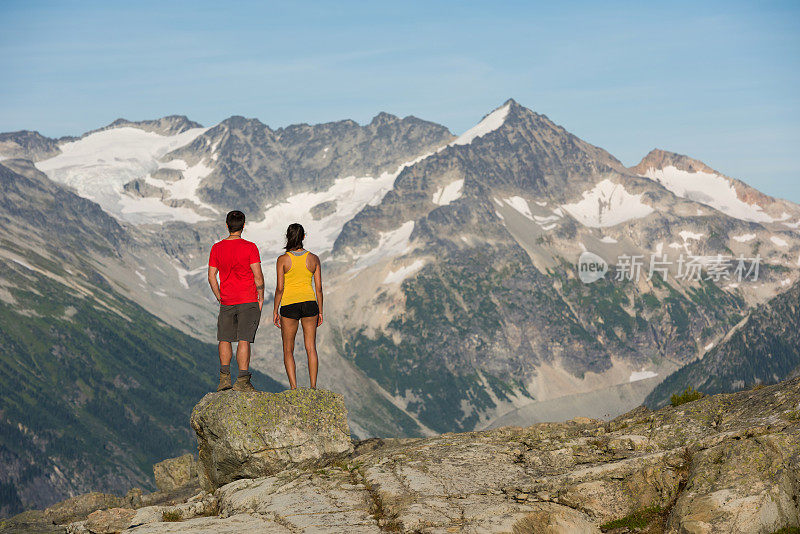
(214, 283)
(259, 280)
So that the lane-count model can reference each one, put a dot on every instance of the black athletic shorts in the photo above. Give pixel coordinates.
(297, 310)
(238, 322)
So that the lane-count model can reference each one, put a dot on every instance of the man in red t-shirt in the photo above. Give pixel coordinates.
(240, 292)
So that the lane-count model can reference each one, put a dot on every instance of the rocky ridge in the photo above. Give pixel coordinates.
(725, 463)
(27, 144)
(169, 125)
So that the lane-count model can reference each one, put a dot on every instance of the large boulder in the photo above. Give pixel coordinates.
(174, 473)
(109, 521)
(80, 506)
(251, 435)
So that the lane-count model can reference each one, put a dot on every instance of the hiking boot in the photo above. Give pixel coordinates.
(224, 381)
(243, 384)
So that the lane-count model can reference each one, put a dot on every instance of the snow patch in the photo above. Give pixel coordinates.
(447, 194)
(686, 235)
(395, 277)
(547, 219)
(521, 205)
(188, 187)
(710, 189)
(744, 238)
(641, 375)
(779, 241)
(607, 204)
(25, 264)
(183, 274)
(390, 244)
(608, 239)
(490, 123)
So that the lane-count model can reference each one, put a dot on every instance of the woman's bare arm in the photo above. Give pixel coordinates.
(318, 286)
(276, 318)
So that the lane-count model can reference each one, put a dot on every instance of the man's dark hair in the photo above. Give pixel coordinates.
(294, 237)
(234, 220)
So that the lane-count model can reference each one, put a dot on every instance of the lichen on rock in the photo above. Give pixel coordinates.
(174, 473)
(250, 435)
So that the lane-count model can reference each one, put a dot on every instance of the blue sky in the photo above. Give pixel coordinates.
(719, 81)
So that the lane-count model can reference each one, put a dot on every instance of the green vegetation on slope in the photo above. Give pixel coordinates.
(765, 349)
(91, 398)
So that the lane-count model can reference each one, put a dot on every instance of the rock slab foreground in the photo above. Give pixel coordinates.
(258, 434)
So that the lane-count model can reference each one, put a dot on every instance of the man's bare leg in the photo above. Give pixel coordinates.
(310, 340)
(288, 332)
(225, 352)
(243, 355)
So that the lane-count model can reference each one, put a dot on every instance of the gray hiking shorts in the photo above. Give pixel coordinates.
(238, 322)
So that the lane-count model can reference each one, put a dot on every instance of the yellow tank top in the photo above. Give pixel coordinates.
(297, 281)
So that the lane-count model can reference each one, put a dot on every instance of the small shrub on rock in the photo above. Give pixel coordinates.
(689, 394)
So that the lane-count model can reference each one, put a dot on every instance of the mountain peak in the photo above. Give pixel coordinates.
(383, 118)
(238, 122)
(658, 159)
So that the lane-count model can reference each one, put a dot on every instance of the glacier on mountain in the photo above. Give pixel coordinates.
(98, 165)
(710, 189)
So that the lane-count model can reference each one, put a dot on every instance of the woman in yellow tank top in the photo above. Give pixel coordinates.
(297, 302)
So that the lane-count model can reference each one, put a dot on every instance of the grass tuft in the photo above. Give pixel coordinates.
(637, 520)
(171, 516)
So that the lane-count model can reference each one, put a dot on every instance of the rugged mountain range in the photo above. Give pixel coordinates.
(453, 299)
(487, 310)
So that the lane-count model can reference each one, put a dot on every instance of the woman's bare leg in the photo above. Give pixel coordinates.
(288, 331)
(310, 339)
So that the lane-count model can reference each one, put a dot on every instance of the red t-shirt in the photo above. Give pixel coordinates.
(236, 281)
